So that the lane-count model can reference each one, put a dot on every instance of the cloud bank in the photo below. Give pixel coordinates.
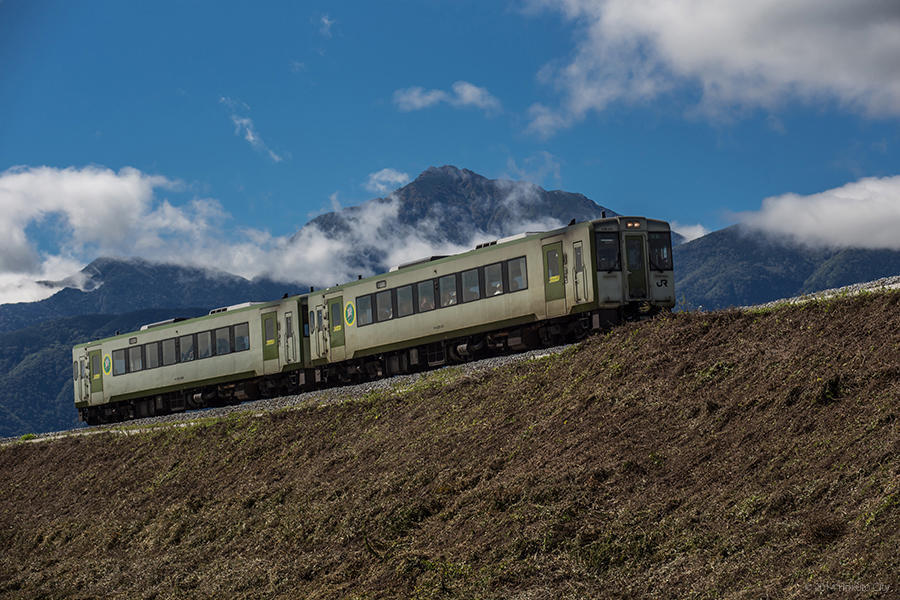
(464, 94)
(735, 55)
(861, 214)
(55, 221)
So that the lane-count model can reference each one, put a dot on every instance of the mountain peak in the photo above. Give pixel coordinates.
(447, 172)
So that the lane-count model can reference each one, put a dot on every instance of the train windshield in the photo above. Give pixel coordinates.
(660, 243)
(607, 251)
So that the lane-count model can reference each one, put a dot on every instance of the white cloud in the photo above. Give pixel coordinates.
(325, 24)
(464, 94)
(101, 212)
(861, 214)
(243, 127)
(689, 232)
(386, 180)
(737, 55)
(417, 98)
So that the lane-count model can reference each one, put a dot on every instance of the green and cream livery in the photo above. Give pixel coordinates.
(504, 295)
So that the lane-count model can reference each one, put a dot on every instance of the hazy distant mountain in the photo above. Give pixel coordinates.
(738, 266)
(116, 286)
(36, 366)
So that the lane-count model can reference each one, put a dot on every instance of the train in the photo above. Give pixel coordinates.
(505, 295)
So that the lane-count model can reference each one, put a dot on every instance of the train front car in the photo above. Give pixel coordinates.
(633, 265)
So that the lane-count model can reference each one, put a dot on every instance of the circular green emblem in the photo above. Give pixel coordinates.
(107, 365)
(349, 313)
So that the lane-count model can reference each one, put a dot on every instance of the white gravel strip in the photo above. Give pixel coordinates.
(316, 398)
(879, 285)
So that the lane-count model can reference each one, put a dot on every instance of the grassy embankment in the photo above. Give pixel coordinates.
(711, 455)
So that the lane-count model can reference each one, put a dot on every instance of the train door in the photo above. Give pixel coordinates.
(554, 279)
(93, 383)
(319, 318)
(270, 342)
(636, 267)
(578, 271)
(290, 340)
(336, 327)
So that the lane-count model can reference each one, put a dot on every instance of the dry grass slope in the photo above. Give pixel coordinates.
(736, 455)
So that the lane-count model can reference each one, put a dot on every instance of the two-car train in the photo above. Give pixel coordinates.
(506, 295)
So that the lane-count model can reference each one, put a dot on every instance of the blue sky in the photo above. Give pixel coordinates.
(244, 120)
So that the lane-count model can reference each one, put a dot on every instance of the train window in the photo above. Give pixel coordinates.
(404, 301)
(204, 344)
(75, 371)
(306, 320)
(118, 357)
(426, 295)
(634, 253)
(169, 355)
(553, 263)
(607, 251)
(241, 337)
(493, 279)
(95, 366)
(383, 305)
(151, 355)
(518, 274)
(660, 243)
(186, 345)
(447, 285)
(364, 310)
(135, 359)
(471, 287)
(223, 341)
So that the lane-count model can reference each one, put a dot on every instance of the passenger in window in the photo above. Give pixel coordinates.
(448, 297)
(425, 303)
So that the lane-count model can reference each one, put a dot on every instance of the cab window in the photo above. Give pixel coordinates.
(660, 243)
(607, 251)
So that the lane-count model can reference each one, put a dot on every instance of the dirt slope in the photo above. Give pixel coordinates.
(737, 455)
